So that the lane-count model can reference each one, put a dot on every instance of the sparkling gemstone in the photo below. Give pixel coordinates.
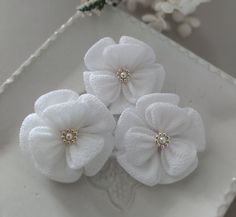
(162, 140)
(69, 136)
(123, 75)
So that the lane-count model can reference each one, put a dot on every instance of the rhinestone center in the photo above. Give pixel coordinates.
(162, 140)
(123, 75)
(69, 136)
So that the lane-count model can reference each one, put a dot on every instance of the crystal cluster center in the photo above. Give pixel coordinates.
(162, 140)
(123, 75)
(69, 136)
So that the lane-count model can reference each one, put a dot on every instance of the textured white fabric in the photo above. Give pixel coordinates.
(135, 134)
(40, 135)
(30, 122)
(52, 98)
(48, 155)
(150, 54)
(96, 164)
(155, 97)
(93, 58)
(105, 58)
(87, 147)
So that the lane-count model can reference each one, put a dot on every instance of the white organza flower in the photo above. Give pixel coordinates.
(157, 142)
(118, 74)
(68, 135)
(184, 6)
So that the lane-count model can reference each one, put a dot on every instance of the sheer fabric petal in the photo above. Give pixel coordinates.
(178, 158)
(127, 120)
(144, 81)
(118, 106)
(98, 118)
(151, 77)
(94, 59)
(86, 77)
(128, 56)
(87, 147)
(146, 173)
(53, 98)
(29, 123)
(143, 102)
(106, 87)
(167, 179)
(93, 167)
(195, 132)
(139, 145)
(48, 154)
(168, 118)
(65, 115)
(150, 54)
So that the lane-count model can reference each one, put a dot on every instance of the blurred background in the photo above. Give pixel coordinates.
(26, 24)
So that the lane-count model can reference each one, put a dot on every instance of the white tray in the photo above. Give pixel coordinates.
(59, 63)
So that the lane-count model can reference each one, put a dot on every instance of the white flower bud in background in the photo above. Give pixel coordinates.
(193, 21)
(177, 16)
(184, 30)
(161, 12)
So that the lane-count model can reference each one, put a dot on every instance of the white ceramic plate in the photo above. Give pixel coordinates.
(59, 64)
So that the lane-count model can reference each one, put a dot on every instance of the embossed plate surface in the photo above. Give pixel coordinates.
(59, 64)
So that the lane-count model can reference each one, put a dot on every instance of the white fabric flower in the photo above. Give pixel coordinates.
(118, 74)
(68, 135)
(150, 156)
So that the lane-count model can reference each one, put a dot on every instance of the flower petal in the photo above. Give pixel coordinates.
(94, 57)
(106, 87)
(88, 87)
(127, 120)
(87, 147)
(49, 155)
(65, 115)
(52, 98)
(150, 54)
(149, 99)
(167, 179)
(93, 167)
(152, 75)
(168, 118)
(120, 105)
(129, 92)
(178, 158)
(144, 81)
(98, 119)
(130, 56)
(147, 173)
(195, 132)
(29, 123)
(140, 145)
